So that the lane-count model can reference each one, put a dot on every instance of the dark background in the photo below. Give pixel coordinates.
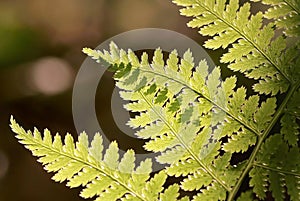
(40, 54)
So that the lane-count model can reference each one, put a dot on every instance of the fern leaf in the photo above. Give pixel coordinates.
(194, 119)
(183, 168)
(83, 178)
(196, 181)
(250, 52)
(95, 151)
(264, 115)
(170, 193)
(245, 196)
(178, 109)
(260, 186)
(111, 156)
(213, 192)
(186, 113)
(280, 164)
(286, 15)
(154, 186)
(206, 89)
(290, 127)
(239, 142)
(81, 165)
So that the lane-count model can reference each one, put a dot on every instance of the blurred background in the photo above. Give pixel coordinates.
(40, 54)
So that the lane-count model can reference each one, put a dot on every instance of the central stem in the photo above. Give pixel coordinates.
(261, 139)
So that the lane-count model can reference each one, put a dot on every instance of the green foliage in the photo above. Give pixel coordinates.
(181, 134)
(195, 121)
(285, 14)
(278, 164)
(254, 53)
(103, 176)
(289, 125)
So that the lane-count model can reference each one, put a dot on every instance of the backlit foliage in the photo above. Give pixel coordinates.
(194, 120)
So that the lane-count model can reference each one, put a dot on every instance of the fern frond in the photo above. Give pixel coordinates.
(179, 107)
(103, 176)
(286, 15)
(254, 53)
(183, 90)
(289, 125)
(277, 169)
(246, 196)
(194, 120)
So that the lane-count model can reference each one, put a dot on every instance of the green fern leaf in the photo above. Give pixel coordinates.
(196, 181)
(290, 127)
(193, 119)
(277, 162)
(81, 165)
(183, 168)
(250, 52)
(173, 130)
(170, 193)
(260, 186)
(286, 15)
(264, 114)
(246, 196)
(183, 133)
(239, 142)
(213, 192)
(111, 156)
(154, 186)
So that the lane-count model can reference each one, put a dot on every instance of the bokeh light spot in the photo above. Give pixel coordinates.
(51, 76)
